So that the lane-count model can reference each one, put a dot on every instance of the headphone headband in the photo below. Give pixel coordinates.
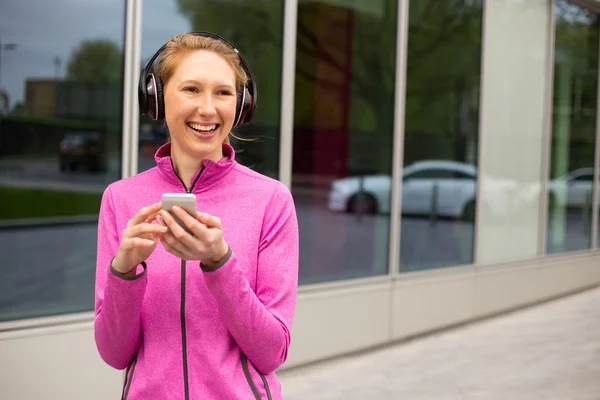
(246, 102)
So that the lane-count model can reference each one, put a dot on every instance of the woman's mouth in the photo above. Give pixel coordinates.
(203, 129)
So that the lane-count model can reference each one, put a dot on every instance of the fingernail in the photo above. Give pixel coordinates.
(163, 212)
(163, 228)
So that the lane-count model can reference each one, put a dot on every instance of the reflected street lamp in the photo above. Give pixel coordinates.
(5, 46)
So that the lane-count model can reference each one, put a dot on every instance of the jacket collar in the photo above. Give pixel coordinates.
(210, 172)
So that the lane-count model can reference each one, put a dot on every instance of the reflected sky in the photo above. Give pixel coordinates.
(45, 30)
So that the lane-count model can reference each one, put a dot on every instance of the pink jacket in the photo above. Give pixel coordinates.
(183, 332)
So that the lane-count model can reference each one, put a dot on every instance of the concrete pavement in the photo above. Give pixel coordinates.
(548, 352)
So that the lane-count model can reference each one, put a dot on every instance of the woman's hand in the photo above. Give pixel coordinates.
(206, 244)
(139, 240)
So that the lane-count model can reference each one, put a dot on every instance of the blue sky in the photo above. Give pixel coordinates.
(45, 29)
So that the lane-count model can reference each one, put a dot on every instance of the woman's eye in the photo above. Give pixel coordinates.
(224, 92)
(189, 89)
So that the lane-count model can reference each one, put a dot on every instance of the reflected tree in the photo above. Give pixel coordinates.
(96, 61)
(444, 55)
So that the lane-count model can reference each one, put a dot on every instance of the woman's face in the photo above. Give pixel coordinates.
(200, 100)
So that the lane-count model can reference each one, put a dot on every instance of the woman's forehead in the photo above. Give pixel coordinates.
(204, 65)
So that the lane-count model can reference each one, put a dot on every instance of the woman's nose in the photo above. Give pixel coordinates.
(206, 106)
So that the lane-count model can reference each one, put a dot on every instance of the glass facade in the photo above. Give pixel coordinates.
(441, 134)
(343, 135)
(61, 96)
(574, 113)
(480, 113)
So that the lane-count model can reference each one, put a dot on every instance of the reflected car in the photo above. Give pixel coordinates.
(573, 190)
(439, 187)
(82, 149)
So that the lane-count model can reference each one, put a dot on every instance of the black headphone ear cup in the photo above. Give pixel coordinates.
(154, 98)
(143, 96)
(239, 107)
(249, 106)
(160, 99)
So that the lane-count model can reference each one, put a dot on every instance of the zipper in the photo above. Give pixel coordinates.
(186, 386)
(187, 190)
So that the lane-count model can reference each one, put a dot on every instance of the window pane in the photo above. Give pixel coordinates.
(60, 135)
(343, 129)
(441, 133)
(573, 128)
(256, 29)
(514, 121)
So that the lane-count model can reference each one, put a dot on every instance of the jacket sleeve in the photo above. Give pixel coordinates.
(261, 322)
(118, 299)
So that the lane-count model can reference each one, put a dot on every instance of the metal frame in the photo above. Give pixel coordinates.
(594, 225)
(288, 77)
(547, 140)
(398, 146)
(480, 152)
(131, 116)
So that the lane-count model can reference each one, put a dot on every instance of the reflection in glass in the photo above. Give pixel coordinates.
(439, 178)
(343, 129)
(573, 128)
(256, 29)
(60, 145)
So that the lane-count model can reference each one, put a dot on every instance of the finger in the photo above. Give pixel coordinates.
(188, 220)
(209, 220)
(144, 213)
(136, 242)
(174, 242)
(177, 230)
(172, 248)
(144, 228)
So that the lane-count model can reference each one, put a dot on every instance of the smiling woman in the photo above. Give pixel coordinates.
(235, 290)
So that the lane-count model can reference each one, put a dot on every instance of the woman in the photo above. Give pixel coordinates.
(205, 315)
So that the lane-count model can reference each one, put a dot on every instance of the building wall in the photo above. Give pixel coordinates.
(442, 159)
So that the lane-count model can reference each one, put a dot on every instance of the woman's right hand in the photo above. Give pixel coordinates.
(139, 240)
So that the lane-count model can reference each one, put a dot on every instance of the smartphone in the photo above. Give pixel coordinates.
(187, 201)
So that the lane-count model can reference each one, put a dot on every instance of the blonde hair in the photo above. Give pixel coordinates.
(181, 45)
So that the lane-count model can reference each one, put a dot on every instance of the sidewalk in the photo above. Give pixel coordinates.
(549, 352)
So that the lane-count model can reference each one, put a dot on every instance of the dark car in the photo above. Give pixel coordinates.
(86, 149)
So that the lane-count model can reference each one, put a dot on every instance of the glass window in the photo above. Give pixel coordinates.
(256, 29)
(513, 117)
(60, 145)
(573, 128)
(343, 134)
(441, 129)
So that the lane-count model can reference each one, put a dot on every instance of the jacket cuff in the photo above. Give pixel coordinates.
(128, 277)
(220, 264)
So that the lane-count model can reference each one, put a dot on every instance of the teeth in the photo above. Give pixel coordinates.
(203, 128)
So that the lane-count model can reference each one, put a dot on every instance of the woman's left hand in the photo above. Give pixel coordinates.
(206, 242)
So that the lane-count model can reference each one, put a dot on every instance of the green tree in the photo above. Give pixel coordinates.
(96, 61)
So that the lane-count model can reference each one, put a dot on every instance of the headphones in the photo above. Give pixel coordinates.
(151, 96)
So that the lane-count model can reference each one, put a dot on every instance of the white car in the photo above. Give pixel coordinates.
(444, 188)
(573, 190)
